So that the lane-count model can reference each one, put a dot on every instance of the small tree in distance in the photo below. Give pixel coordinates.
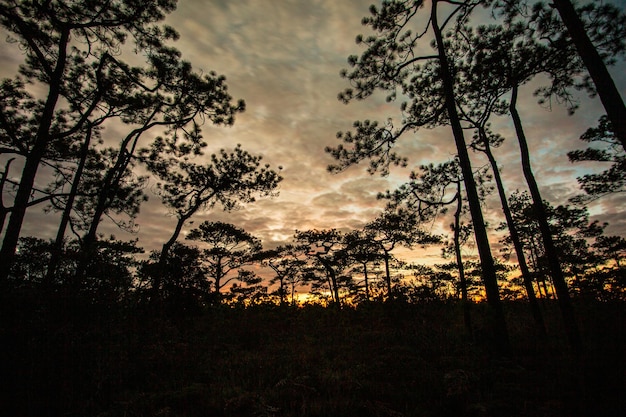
(227, 248)
(288, 263)
(363, 249)
(326, 248)
(397, 227)
(230, 179)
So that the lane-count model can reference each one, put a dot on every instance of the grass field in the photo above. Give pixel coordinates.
(375, 360)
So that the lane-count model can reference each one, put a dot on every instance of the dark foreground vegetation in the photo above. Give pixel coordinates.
(69, 358)
(88, 327)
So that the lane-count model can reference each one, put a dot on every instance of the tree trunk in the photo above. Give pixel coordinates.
(605, 86)
(31, 165)
(165, 250)
(367, 287)
(467, 318)
(543, 294)
(333, 279)
(110, 183)
(388, 276)
(281, 290)
(3, 210)
(219, 274)
(551, 253)
(498, 323)
(517, 244)
(57, 247)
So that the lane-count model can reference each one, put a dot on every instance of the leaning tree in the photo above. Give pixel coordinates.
(394, 58)
(429, 193)
(597, 31)
(71, 61)
(230, 179)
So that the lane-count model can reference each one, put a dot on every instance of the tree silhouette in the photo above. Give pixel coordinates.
(326, 247)
(230, 179)
(593, 31)
(32, 256)
(185, 283)
(607, 149)
(511, 67)
(429, 193)
(611, 278)
(538, 45)
(288, 264)
(575, 237)
(430, 283)
(65, 48)
(363, 248)
(530, 238)
(480, 96)
(228, 249)
(593, 60)
(182, 101)
(397, 227)
(109, 276)
(392, 62)
(548, 241)
(612, 247)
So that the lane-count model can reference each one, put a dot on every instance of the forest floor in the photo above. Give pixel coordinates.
(375, 360)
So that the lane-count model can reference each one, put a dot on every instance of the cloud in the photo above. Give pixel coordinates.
(283, 58)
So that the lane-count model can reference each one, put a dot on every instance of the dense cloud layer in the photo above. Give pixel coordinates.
(284, 57)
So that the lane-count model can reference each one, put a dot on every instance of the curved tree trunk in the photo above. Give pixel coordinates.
(109, 187)
(57, 247)
(498, 323)
(333, 279)
(517, 244)
(558, 278)
(165, 251)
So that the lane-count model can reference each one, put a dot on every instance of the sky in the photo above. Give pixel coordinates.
(283, 57)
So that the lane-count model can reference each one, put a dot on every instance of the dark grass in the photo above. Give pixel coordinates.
(76, 359)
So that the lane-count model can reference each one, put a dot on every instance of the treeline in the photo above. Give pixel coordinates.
(74, 87)
(222, 263)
